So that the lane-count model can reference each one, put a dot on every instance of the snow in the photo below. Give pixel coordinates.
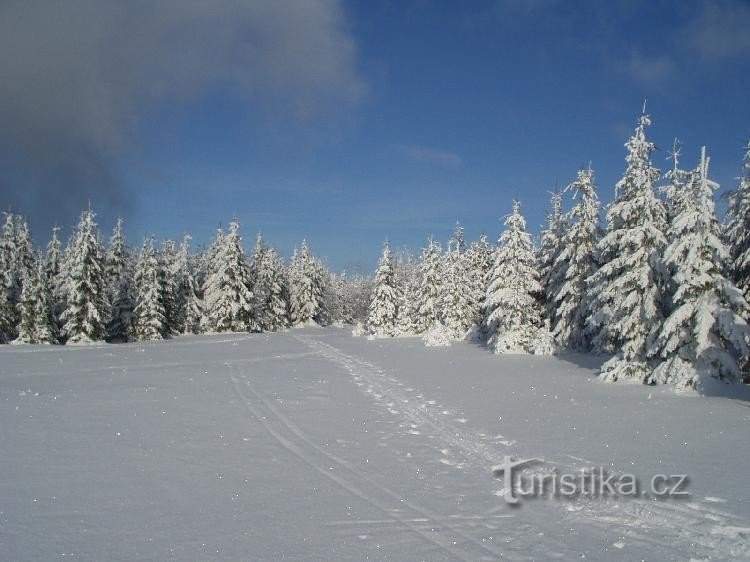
(312, 444)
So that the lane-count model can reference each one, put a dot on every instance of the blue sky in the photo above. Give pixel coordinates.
(353, 122)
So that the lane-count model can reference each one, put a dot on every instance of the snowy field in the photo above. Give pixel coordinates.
(311, 444)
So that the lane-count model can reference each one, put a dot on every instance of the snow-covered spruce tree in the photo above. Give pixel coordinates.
(203, 266)
(25, 253)
(551, 269)
(116, 257)
(60, 289)
(407, 281)
(53, 266)
(120, 327)
(738, 230)
(149, 319)
(272, 279)
(188, 304)
(35, 310)
(87, 308)
(26, 312)
(458, 241)
(8, 249)
(705, 336)
(56, 278)
(118, 286)
(256, 263)
(44, 326)
(343, 287)
(577, 261)
(513, 315)
(676, 179)
(628, 289)
(480, 258)
(53, 257)
(381, 320)
(228, 300)
(457, 295)
(8, 280)
(429, 297)
(329, 300)
(305, 287)
(204, 258)
(168, 285)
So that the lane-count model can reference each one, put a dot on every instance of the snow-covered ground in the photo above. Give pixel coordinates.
(312, 444)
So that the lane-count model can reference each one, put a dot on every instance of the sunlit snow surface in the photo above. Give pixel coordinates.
(312, 444)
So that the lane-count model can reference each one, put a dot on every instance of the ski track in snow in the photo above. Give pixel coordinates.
(691, 527)
(458, 544)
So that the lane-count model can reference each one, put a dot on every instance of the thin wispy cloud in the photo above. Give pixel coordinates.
(651, 71)
(428, 155)
(720, 30)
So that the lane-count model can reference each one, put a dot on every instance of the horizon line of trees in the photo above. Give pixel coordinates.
(89, 293)
(663, 287)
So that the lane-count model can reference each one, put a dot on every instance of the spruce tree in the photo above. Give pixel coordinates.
(381, 320)
(45, 329)
(35, 308)
(149, 319)
(257, 263)
(228, 300)
(305, 287)
(26, 309)
(407, 281)
(188, 304)
(56, 278)
(118, 286)
(272, 277)
(168, 285)
(25, 255)
(120, 327)
(480, 258)
(457, 295)
(551, 269)
(86, 313)
(513, 316)
(429, 298)
(705, 336)
(323, 316)
(738, 230)
(628, 288)
(8, 280)
(458, 241)
(676, 179)
(116, 258)
(577, 261)
(330, 309)
(53, 257)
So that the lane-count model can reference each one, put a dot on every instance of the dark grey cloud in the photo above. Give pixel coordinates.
(77, 76)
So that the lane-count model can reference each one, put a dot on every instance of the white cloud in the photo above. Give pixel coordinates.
(651, 70)
(424, 154)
